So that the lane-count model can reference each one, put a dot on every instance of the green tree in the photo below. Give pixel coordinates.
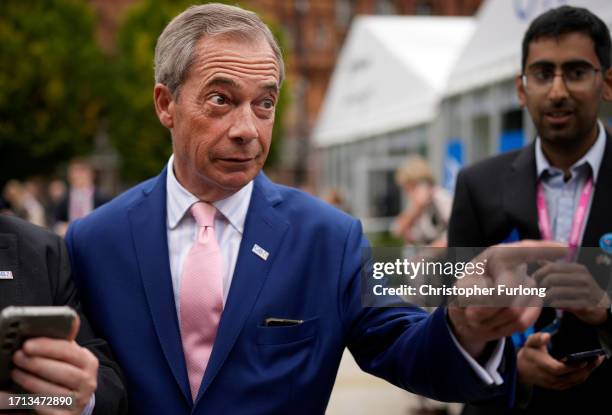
(50, 82)
(143, 143)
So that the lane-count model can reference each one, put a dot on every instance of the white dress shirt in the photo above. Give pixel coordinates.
(229, 227)
(181, 229)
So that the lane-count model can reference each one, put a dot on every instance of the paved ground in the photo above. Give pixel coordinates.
(357, 393)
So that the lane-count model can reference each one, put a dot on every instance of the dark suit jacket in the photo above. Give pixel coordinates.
(497, 196)
(313, 273)
(41, 276)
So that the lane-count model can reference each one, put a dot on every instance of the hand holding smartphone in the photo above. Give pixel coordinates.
(578, 358)
(17, 324)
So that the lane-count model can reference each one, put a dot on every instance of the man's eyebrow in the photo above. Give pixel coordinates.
(271, 87)
(540, 63)
(221, 81)
(216, 81)
(575, 62)
(548, 63)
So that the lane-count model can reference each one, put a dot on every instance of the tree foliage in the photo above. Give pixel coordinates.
(50, 84)
(143, 143)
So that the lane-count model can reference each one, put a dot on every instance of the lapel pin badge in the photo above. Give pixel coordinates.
(6, 275)
(260, 252)
(605, 243)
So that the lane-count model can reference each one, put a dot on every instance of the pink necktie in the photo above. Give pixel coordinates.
(201, 297)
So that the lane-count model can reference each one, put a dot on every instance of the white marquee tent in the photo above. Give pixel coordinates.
(390, 75)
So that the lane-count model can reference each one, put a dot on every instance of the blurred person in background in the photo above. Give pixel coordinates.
(56, 193)
(22, 203)
(82, 196)
(12, 194)
(425, 220)
(34, 201)
(333, 196)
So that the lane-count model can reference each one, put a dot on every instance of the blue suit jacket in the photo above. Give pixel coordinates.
(120, 261)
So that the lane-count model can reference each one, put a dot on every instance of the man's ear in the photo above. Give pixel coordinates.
(520, 90)
(164, 105)
(607, 91)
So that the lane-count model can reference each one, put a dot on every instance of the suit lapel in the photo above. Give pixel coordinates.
(266, 228)
(519, 197)
(519, 194)
(599, 215)
(148, 226)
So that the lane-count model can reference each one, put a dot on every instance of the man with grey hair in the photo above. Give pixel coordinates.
(224, 293)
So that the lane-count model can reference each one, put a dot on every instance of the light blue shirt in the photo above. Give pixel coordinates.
(562, 196)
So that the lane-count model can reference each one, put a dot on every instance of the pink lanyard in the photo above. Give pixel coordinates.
(577, 224)
(579, 216)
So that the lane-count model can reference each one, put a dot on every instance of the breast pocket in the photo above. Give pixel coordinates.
(278, 335)
(284, 354)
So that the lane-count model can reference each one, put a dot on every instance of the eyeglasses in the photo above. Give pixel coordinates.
(577, 78)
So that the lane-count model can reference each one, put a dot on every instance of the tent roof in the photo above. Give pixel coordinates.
(494, 50)
(390, 75)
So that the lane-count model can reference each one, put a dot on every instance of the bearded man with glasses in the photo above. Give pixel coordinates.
(557, 188)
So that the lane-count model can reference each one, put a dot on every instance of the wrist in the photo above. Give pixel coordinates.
(474, 348)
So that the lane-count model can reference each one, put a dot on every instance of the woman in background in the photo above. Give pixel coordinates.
(424, 222)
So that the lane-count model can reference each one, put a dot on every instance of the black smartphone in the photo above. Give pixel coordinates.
(17, 324)
(574, 359)
(574, 338)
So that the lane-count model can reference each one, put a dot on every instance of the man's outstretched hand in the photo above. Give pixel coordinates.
(476, 321)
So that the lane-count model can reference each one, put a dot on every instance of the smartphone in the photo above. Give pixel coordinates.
(574, 338)
(17, 324)
(574, 359)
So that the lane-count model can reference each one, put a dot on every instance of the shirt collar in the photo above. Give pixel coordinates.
(234, 208)
(593, 157)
